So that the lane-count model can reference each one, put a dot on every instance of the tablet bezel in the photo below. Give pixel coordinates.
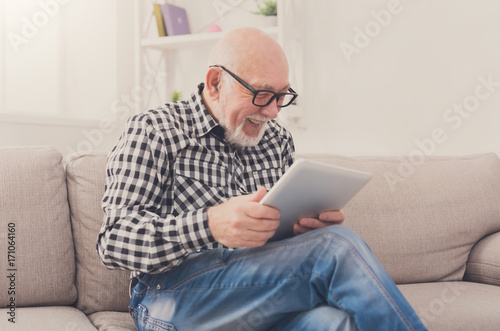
(309, 188)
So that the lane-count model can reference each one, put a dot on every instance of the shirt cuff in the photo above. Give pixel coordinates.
(194, 232)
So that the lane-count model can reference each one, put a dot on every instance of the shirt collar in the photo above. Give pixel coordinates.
(203, 121)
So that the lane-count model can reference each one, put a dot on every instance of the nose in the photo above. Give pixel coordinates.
(271, 110)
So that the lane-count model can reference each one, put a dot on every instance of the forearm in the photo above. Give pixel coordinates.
(143, 242)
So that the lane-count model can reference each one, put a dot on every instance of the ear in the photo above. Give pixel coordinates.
(212, 81)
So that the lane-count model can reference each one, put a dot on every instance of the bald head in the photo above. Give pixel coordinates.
(246, 49)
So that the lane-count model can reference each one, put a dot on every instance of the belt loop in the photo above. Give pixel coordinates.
(133, 283)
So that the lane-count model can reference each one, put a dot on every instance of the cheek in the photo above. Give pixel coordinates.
(231, 117)
(237, 113)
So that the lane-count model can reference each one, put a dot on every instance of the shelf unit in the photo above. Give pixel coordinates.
(158, 57)
(192, 40)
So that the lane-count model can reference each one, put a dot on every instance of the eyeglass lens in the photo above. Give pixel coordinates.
(263, 98)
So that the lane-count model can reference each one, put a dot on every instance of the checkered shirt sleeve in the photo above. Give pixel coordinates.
(162, 176)
(136, 237)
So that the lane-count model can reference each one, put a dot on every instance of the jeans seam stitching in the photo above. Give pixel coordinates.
(195, 275)
(159, 324)
(375, 279)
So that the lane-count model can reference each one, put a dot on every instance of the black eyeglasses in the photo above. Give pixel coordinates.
(262, 98)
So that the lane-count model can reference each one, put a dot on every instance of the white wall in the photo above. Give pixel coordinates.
(396, 91)
(89, 72)
(399, 85)
(75, 66)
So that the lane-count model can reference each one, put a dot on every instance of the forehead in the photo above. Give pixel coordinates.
(274, 79)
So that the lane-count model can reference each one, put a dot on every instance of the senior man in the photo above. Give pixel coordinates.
(182, 213)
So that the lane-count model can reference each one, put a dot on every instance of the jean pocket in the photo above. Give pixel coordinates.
(146, 282)
(145, 322)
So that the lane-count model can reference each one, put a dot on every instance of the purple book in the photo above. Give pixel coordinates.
(175, 18)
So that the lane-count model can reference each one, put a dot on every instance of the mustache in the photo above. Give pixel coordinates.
(259, 118)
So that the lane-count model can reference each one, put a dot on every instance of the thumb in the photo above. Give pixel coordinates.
(257, 196)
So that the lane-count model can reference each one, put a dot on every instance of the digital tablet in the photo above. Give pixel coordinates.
(309, 188)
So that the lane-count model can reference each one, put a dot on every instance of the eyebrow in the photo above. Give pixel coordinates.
(269, 87)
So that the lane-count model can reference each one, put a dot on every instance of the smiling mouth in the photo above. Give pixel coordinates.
(257, 121)
(254, 121)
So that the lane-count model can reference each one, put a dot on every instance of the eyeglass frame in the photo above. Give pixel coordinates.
(255, 92)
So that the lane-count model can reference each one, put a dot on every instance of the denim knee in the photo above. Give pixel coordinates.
(336, 243)
(340, 232)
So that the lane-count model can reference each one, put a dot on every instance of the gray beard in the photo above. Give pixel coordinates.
(235, 136)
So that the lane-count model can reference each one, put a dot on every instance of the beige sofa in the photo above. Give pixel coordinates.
(433, 222)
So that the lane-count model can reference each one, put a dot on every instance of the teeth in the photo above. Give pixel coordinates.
(254, 121)
(257, 121)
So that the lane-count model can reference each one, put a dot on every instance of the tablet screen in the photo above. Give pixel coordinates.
(309, 188)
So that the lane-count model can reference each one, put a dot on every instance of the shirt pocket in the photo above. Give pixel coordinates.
(198, 184)
(266, 177)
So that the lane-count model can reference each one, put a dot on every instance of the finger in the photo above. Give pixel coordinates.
(257, 196)
(264, 213)
(312, 223)
(257, 236)
(336, 216)
(263, 225)
(258, 224)
(234, 237)
(299, 229)
(254, 238)
(258, 211)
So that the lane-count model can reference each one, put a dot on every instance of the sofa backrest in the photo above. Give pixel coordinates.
(99, 289)
(422, 215)
(420, 222)
(37, 256)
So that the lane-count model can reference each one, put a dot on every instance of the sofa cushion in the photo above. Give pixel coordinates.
(47, 318)
(457, 306)
(422, 217)
(99, 289)
(34, 211)
(483, 265)
(113, 321)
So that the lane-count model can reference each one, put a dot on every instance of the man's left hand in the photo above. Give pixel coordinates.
(325, 219)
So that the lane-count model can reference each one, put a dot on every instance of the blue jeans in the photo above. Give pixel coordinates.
(326, 279)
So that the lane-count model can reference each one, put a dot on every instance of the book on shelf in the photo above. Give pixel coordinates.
(175, 19)
(159, 20)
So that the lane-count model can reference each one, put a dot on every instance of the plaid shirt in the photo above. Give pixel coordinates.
(167, 168)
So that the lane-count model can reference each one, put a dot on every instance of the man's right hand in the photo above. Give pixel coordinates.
(242, 221)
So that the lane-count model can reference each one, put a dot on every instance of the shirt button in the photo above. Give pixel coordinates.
(158, 287)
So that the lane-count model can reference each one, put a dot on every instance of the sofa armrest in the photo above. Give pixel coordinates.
(483, 265)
